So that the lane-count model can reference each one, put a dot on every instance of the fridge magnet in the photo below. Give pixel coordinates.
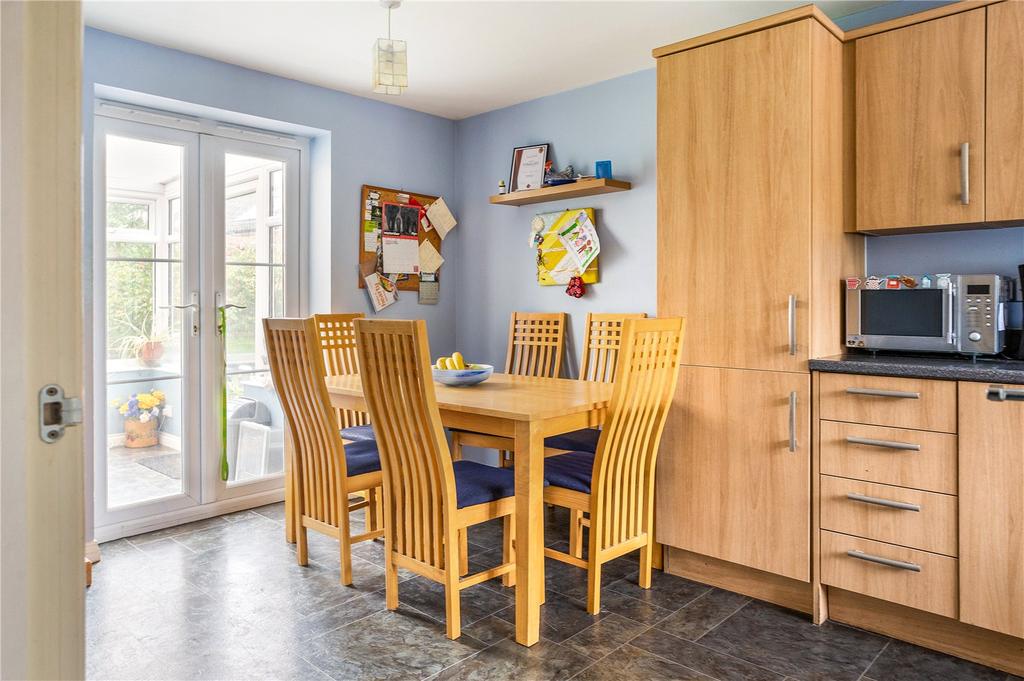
(908, 282)
(926, 281)
(874, 283)
(852, 283)
(892, 282)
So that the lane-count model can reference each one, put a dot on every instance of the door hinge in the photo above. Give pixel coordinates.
(57, 412)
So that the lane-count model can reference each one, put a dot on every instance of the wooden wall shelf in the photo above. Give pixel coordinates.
(588, 187)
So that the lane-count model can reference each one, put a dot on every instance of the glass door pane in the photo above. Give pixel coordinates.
(257, 221)
(146, 441)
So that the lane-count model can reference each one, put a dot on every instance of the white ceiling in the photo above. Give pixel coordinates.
(464, 57)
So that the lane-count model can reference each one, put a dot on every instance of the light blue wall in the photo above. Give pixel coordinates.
(364, 142)
(613, 120)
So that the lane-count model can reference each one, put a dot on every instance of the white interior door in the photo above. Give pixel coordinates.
(147, 322)
(251, 215)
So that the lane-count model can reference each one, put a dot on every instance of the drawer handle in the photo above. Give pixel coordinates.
(875, 392)
(888, 503)
(998, 393)
(888, 444)
(888, 562)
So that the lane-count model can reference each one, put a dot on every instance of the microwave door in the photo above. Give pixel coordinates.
(907, 319)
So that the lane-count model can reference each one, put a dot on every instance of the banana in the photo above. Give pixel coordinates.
(458, 361)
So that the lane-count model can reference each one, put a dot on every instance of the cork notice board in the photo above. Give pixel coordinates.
(371, 206)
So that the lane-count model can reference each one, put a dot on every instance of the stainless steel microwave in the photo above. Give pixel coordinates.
(953, 313)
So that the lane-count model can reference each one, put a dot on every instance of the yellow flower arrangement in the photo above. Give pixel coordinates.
(141, 406)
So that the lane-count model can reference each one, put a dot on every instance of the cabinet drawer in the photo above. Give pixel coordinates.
(908, 517)
(852, 450)
(916, 579)
(884, 401)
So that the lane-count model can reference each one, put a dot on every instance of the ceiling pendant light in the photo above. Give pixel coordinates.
(390, 60)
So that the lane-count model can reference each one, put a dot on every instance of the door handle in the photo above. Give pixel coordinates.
(888, 562)
(888, 444)
(792, 421)
(193, 309)
(792, 324)
(965, 173)
(888, 503)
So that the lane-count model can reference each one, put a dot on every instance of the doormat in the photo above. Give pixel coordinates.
(165, 464)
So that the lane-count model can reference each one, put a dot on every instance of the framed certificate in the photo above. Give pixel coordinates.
(528, 167)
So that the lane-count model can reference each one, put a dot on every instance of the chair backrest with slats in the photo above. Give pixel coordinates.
(535, 341)
(297, 367)
(622, 488)
(338, 342)
(419, 481)
(602, 344)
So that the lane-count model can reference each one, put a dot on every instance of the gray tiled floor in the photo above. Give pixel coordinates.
(224, 599)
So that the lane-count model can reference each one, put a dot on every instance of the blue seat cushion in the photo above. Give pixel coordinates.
(362, 457)
(584, 440)
(476, 483)
(572, 471)
(358, 433)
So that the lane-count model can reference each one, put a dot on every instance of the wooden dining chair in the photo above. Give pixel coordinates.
(428, 498)
(337, 333)
(615, 485)
(535, 344)
(324, 470)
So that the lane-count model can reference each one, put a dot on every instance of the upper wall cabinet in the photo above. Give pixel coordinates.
(920, 110)
(1004, 152)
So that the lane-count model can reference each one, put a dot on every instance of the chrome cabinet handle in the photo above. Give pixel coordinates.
(875, 392)
(888, 562)
(998, 393)
(888, 503)
(792, 421)
(965, 173)
(792, 324)
(888, 444)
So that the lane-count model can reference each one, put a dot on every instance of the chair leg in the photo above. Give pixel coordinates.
(373, 509)
(301, 545)
(576, 533)
(505, 459)
(452, 597)
(508, 550)
(646, 563)
(456, 447)
(594, 587)
(464, 551)
(345, 545)
(390, 579)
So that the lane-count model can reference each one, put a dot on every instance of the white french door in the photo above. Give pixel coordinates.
(196, 241)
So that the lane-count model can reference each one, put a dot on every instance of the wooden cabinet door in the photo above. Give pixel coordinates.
(729, 485)
(1004, 113)
(920, 95)
(991, 509)
(734, 180)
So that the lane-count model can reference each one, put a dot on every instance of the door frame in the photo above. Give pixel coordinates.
(42, 575)
(191, 366)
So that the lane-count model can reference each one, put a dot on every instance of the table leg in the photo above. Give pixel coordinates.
(529, 475)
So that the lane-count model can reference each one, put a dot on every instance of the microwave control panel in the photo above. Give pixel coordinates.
(981, 323)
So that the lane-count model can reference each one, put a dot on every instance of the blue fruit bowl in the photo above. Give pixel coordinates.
(471, 375)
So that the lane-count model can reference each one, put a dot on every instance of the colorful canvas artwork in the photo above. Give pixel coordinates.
(557, 263)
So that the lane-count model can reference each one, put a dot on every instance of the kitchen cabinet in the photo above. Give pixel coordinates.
(736, 485)
(992, 507)
(751, 247)
(920, 111)
(1004, 113)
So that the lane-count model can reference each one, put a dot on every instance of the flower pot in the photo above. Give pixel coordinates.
(151, 352)
(138, 434)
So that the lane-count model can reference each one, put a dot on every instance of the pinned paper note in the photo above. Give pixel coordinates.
(441, 218)
(580, 240)
(383, 291)
(400, 239)
(430, 289)
(430, 259)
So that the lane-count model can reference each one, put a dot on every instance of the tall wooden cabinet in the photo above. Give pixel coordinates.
(1004, 114)
(751, 251)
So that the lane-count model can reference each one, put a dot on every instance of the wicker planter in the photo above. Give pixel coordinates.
(138, 434)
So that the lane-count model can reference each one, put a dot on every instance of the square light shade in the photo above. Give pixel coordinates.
(390, 67)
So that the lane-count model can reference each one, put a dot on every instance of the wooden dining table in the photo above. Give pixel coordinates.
(526, 409)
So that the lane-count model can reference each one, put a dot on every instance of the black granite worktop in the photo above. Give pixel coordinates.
(951, 368)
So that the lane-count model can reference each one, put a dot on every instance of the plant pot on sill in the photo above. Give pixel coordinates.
(138, 435)
(151, 352)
